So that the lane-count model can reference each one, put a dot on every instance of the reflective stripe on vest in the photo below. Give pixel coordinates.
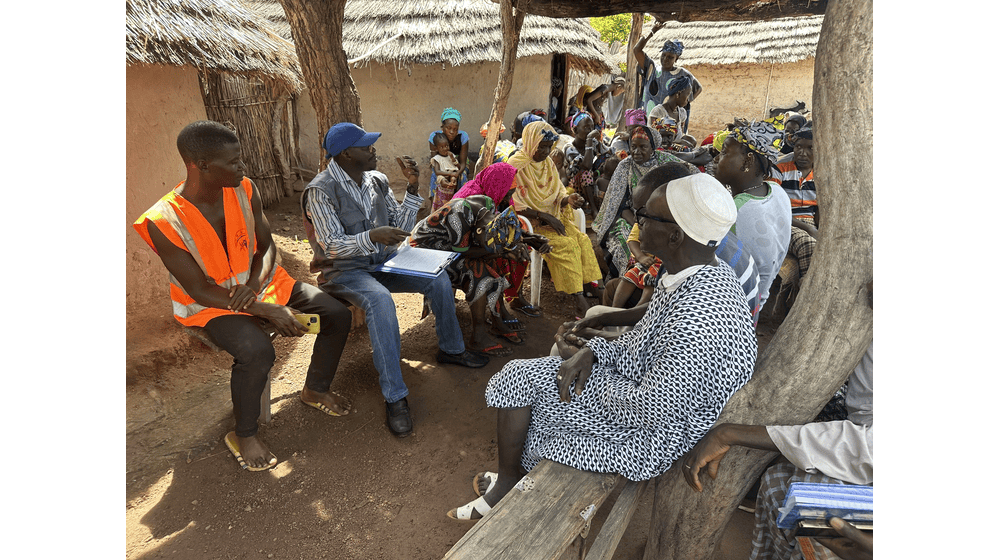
(184, 306)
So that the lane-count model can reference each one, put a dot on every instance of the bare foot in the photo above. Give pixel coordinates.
(338, 404)
(255, 453)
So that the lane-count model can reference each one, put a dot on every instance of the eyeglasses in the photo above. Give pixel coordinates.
(642, 215)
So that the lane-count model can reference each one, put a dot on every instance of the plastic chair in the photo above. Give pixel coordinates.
(536, 257)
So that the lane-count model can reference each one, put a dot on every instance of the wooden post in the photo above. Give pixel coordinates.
(830, 326)
(511, 18)
(632, 87)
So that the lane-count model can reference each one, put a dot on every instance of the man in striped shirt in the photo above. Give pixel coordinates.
(354, 224)
(796, 177)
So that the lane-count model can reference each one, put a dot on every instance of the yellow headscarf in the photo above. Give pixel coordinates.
(580, 95)
(537, 183)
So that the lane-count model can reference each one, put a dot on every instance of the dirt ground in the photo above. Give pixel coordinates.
(344, 487)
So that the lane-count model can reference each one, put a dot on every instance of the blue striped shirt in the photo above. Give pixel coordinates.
(330, 234)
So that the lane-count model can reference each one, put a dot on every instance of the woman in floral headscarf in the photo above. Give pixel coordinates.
(615, 218)
(472, 227)
(763, 210)
(540, 197)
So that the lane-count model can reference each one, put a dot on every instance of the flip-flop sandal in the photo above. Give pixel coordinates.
(528, 311)
(515, 324)
(510, 337)
(234, 446)
(490, 476)
(478, 506)
(496, 350)
(320, 406)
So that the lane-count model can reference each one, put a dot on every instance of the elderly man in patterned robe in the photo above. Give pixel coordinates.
(636, 404)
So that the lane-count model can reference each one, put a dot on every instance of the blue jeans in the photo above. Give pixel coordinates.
(372, 291)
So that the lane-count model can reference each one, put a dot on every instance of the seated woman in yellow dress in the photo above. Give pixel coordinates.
(542, 198)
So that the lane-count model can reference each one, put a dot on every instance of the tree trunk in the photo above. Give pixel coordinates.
(277, 146)
(318, 30)
(830, 325)
(511, 18)
(631, 94)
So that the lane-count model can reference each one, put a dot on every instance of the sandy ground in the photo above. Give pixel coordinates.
(344, 487)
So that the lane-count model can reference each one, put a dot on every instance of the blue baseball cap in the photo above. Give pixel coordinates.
(347, 135)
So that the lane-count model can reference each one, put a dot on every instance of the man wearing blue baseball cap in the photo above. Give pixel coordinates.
(354, 224)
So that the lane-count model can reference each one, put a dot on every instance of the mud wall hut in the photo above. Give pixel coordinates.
(411, 60)
(170, 46)
(745, 67)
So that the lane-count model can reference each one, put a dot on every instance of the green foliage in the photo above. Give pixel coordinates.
(615, 28)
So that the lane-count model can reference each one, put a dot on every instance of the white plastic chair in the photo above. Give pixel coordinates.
(536, 257)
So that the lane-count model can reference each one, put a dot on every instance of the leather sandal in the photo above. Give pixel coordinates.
(465, 513)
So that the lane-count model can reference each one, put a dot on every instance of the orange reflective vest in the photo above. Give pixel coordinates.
(182, 224)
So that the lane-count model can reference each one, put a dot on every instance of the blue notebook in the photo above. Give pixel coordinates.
(821, 501)
(417, 261)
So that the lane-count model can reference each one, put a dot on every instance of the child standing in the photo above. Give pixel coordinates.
(446, 170)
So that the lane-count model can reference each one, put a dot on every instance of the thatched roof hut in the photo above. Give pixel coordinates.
(452, 32)
(222, 35)
(745, 67)
(409, 60)
(778, 41)
(189, 60)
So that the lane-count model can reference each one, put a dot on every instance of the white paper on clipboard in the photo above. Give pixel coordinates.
(418, 261)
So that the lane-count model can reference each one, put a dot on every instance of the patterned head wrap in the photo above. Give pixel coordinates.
(720, 139)
(635, 116)
(451, 113)
(675, 47)
(494, 181)
(578, 118)
(761, 138)
(664, 127)
(643, 131)
(503, 231)
(556, 82)
(640, 132)
(778, 121)
(678, 84)
(530, 118)
(806, 133)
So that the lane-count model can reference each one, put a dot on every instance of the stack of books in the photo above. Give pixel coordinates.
(808, 506)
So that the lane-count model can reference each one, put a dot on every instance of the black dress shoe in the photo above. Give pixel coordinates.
(397, 416)
(466, 358)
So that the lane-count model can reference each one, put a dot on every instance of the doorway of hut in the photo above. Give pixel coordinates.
(557, 93)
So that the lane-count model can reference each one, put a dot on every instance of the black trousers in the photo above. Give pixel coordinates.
(253, 353)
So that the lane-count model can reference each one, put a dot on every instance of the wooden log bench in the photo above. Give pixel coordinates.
(554, 508)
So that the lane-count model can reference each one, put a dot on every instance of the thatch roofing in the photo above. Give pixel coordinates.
(679, 10)
(222, 35)
(727, 42)
(453, 32)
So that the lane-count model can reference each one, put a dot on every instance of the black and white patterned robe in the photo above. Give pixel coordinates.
(654, 392)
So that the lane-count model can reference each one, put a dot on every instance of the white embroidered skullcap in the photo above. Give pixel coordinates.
(702, 207)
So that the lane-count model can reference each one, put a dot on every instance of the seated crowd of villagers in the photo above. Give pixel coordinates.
(691, 239)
